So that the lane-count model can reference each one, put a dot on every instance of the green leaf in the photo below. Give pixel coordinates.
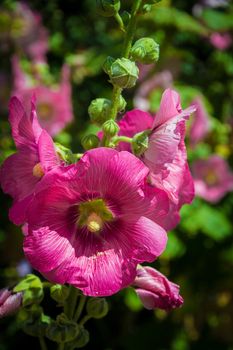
(217, 20)
(175, 247)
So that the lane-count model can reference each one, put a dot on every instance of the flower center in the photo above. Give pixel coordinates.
(45, 110)
(93, 214)
(38, 171)
(211, 178)
(94, 222)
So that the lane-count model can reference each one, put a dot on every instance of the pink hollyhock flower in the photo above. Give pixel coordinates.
(212, 178)
(31, 35)
(89, 228)
(36, 156)
(159, 80)
(54, 105)
(200, 125)
(155, 290)
(221, 41)
(166, 154)
(9, 302)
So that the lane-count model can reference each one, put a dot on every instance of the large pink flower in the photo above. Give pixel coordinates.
(212, 178)
(166, 154)
(155, 290)
(89, 228)
(200, 125)
(54, 105)
(35, 157)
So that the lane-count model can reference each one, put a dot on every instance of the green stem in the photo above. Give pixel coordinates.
(42, 343)
(80, 307)
(118, 139)
(84, 320)
(70, 304)
(120, 22)
(125, 53)
(131, 29)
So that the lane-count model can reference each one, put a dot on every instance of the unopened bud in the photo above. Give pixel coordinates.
(140, 143)
(145, 50)
(123, 73)
(90, 141)
(9, 302)
(125, 15)
(81, 340)
(62, 330)
(59, 293)
(65, 153)
(110, 128)
(108, 8)
(32, 289)
(107, 64)
(122, 104)
(33, 321)
(97, 307)
(99, 110)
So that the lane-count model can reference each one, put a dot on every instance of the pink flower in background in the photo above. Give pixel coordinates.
(89, 228)
(31, 36)
(212, 178)
(54, 104)
(166, 155)
(161, 80)
(221, 41)
(9, 302)
(200, 124)
(36, 156)
(155, 290)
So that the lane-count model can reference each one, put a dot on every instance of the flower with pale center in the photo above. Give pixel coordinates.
(212, 178)
(89, 226)
(36, 156)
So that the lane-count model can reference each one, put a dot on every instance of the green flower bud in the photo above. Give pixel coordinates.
(125, 17)
(99, 110)
(32, 289)
(145, 9)
(107, 64)
(145, 50)
(122, 104)
(123, 73)
(65, 153)
(62, 330)
(33, 321)
(81, 340)
(140, 142)
(108, 8)
(97, 307)
(59, 293)
(90, 141)
(110, 128)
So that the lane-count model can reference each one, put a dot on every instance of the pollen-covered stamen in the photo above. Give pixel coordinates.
(94, 222)
(93, 215)
(38, 171)
(45, 110)
(211, 178)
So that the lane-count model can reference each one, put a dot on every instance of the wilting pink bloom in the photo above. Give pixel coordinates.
(54, 105)
(221, 41)
(9, 302)
(200, 124)
(36, 156)
(155, 290)
(161, 80)
(89, 228)
(166, 154)
(212, 178)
